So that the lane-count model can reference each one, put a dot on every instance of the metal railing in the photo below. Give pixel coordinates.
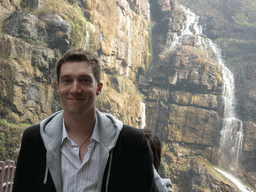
(7, 169)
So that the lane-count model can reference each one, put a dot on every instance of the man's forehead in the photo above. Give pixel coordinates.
(77, 62)
(76, 65)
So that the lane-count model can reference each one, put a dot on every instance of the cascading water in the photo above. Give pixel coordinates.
(190, 27)
(143, 116)
(232, 129)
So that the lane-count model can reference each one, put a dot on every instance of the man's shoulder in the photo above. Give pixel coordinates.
(132, 135)
(33, 131)
(129, 131)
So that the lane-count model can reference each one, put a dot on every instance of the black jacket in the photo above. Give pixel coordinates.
(129, 169)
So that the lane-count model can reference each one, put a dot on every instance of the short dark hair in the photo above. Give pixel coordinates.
(155, 145)
(77, 55)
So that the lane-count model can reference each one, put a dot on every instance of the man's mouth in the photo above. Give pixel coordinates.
(75, 99)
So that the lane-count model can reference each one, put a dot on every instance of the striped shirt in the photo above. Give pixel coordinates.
(79, 176)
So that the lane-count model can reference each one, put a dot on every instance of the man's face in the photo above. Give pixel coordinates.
(78, 88)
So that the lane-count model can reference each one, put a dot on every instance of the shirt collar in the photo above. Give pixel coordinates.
(95, 134)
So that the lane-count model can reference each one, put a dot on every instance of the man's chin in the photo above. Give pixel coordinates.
(75, 112)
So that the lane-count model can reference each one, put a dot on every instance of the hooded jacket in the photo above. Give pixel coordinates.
(162, 184)
(125, 163)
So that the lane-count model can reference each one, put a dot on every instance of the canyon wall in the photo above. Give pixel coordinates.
(184, 103)
(34, 36)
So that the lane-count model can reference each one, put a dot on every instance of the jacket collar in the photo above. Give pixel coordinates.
(51, 129)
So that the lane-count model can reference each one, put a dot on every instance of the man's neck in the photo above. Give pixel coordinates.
(80, 125)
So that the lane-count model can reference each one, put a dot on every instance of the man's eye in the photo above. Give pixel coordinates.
(66, 80)
(86, 80)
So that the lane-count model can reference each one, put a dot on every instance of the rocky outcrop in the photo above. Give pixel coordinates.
(184, 103)
(193, 173)
(31, 76)
(35, 34)
(32, 44)
(50, 29)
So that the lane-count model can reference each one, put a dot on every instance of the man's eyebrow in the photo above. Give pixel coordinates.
(64, 76)
(83, 75)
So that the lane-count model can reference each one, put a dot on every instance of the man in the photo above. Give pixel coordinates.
(80, 148)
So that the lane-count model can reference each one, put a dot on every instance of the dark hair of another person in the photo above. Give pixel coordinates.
(155, 145)
(80, 55)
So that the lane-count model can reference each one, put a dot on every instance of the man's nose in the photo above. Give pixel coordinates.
(75, 87)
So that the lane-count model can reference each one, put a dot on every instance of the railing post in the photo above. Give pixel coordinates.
(7, 175)
(7, 170)
(12, 164)
(2, 174)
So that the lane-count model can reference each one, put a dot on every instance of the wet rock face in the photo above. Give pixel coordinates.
(184, 103)
(141, 7)
(31, 86)
(58, 31)
(193, 125)
(22, 25)
(193, 174)
(51, 28)
(183, 70)
(31, 44)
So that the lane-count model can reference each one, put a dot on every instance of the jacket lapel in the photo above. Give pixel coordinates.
(52, 142)
(104, 154)
(109, 130)
(53, 162)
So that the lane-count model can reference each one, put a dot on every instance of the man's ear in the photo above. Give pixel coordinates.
(57, 84)
(99, 88)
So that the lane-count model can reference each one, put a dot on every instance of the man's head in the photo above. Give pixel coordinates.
(78, 84)
(78, 55)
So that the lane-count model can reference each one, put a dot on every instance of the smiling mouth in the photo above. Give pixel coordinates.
(76, 99)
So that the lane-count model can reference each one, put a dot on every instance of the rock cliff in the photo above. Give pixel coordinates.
(34, 34)
(33, 37)
(184, 103)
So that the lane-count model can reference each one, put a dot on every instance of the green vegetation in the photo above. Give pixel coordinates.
(168, 147)
(10, 139)
(247, 16)
(72, 13)
(173, 106)
(5, 123)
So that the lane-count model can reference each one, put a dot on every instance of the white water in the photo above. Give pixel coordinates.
(143, 116)
(232, 129)
(85, 43)
(190, 23)
(238, 183)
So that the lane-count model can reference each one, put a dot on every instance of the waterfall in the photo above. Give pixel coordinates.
(85, 43)
(232, 129)
(87, 38)
(238, 183)
(190, 27)
(143, 116)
